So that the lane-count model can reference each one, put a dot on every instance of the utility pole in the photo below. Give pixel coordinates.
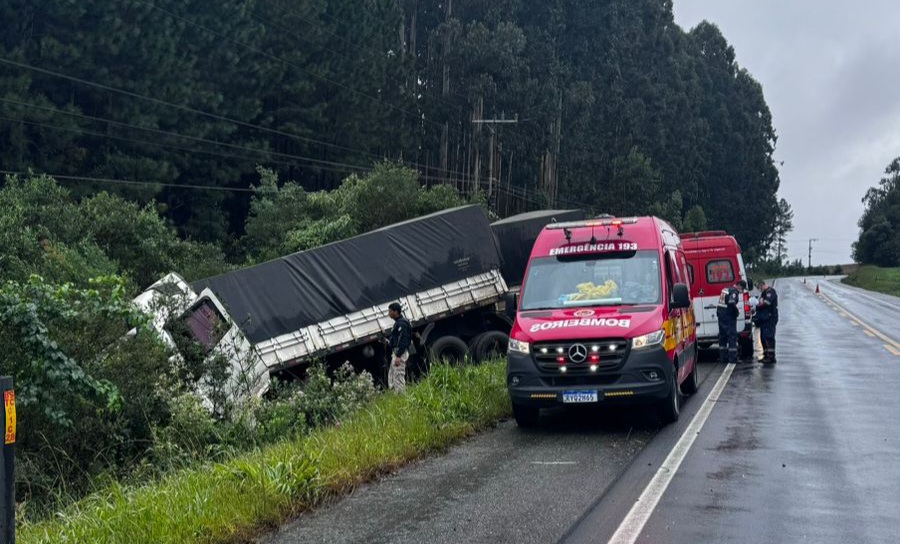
(811, 240)
(8, 462)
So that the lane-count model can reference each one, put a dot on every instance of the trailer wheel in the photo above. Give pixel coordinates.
(473, 342)
(448, 348)
(492, 345)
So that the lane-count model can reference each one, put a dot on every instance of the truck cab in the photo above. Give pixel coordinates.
(604, 316)
(715, 263)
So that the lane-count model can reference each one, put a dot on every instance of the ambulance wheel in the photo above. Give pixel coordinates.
(669, 408)
(450, 349)
(526, 416)
(690, 385)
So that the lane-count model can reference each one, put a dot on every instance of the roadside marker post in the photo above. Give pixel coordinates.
(8, 463)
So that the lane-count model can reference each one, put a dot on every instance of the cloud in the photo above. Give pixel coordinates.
(828, 71)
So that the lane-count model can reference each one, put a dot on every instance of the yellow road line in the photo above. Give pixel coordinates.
(893, 343)
(892, 349)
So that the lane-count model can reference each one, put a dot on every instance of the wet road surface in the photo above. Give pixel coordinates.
(805, 451)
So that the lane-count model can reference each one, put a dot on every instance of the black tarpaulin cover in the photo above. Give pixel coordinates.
(298, 290)
(516, 236)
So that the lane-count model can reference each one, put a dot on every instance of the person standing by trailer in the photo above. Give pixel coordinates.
(727, 313)
(767, 320)
(399, 346)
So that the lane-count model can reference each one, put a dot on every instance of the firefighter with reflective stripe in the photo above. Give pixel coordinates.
(727, 312)
(767, 320)
(399, 346)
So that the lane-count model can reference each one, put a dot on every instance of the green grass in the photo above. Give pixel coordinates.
(241, 498)
(873, 278)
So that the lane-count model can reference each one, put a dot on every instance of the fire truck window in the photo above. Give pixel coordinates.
(719, 271)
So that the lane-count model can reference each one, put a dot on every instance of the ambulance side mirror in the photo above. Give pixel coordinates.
(681, 297)
(511, 301)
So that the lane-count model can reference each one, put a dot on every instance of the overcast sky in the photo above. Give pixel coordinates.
(830, 71)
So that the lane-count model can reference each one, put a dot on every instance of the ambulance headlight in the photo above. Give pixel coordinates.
(648, 340)
(517, 346)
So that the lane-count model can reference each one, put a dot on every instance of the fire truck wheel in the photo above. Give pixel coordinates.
(690, 385)
(669, 408)
(526, 416)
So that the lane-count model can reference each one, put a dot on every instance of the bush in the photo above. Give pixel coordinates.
(320, 400)
(88, 395)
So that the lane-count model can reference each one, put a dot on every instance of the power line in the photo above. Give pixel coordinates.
(145, 182)
(140, 182)
(177, 106)
(339, 167)
(205, 114)
(178, 135)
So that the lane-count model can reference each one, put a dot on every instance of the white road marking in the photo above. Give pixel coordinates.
(630, 528)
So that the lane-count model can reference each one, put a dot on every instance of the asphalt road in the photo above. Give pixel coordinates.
(805, 451)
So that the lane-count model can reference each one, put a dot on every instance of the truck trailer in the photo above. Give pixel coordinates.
(330, 303)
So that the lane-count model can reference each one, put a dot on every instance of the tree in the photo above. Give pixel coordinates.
(694, 220)
(784, 223)
(879, 238)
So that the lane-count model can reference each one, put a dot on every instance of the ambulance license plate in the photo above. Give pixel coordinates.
(571, 397)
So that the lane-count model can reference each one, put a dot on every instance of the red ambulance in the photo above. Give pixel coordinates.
(604, 317)
(715, 263)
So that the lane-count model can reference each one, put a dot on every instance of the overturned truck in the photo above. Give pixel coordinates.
(330, 303)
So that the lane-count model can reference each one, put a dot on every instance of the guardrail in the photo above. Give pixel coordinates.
(8, 464)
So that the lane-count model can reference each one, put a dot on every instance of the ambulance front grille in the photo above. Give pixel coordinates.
(612, 353)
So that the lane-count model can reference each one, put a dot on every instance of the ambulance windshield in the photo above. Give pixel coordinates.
(554, 283)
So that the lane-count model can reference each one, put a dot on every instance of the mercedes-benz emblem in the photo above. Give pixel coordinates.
(577, 353)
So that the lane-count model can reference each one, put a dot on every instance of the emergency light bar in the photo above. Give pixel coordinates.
(593, 223)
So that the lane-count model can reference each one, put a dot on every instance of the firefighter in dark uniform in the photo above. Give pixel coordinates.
(767, 319)
(727, 312)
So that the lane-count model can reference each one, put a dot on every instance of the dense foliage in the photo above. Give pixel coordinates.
(100, 394)
(618, 108)
(879, 238)
(98, 404)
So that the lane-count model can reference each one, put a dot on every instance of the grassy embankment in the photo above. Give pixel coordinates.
(235, 500)
(873, 278)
